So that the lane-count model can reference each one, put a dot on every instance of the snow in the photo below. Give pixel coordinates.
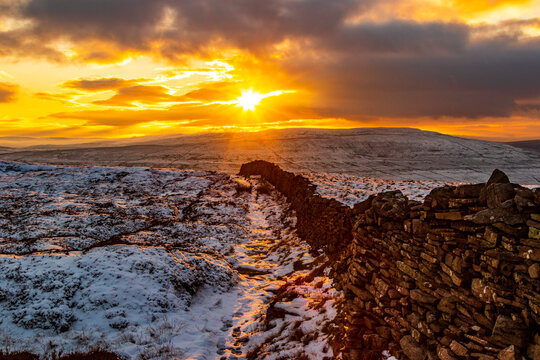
(152, 264)
(163, 264)
(389, 153)
(351, 189)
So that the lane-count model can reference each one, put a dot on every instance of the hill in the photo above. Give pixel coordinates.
(391, 153)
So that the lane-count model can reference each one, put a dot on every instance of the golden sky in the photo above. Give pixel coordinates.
(89, 69)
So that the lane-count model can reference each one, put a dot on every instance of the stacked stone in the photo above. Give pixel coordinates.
(323, 223)
(454, 277)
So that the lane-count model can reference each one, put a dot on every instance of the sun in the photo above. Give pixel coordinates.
(249, 100)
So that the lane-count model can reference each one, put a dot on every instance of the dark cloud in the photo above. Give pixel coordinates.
(398, 37)
(397, 68)
(8, 92)
(480, 80)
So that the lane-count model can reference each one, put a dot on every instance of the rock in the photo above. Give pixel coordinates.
(422, 297)
(440, 197)
(445, 354)
(534, 233)
(509, 332)
(498, 177)
(481, 290)
(412, 349)
(534, 271)
(452, 215)
(533, 352)
(510, 353)
(459, 349)
(391, 204)
(505, 213)
(469, 190)
(496, 194)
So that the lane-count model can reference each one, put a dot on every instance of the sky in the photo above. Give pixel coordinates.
(93, 69)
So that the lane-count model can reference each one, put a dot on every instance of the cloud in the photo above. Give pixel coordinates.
(99, 84)
(356, 69)
(8, 92)
(139, 94)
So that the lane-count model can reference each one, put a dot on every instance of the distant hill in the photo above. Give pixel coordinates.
(391, 153)
(533, 145)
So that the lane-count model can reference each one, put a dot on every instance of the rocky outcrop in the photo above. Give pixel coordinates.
(454, 277)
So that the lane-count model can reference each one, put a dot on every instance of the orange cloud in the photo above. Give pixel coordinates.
(8, 92)
(100, 84)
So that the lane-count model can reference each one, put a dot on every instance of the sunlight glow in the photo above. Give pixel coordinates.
(249, 100)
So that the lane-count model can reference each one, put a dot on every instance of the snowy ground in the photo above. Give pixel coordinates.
(163, 264)
(156, 264)
(351, 189)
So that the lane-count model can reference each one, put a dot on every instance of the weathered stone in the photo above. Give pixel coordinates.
(450, 215)
(391, 204)
(412, 349)
(509, 353)
(481, 290)
(497, 177)
(534, 271)
(422, 297)
(509, 332)
(533, 352)
(469, 190)
(458, 349)
(505, 213)
(496, 194)
(447, 305)
(534, 233)
(445, 353)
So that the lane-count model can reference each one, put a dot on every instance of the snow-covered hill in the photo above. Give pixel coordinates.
(388, 153)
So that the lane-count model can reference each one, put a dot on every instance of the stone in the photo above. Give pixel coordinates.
(510, 353)
(481, 290)
(445, 353)
(440, 197)
(469, 190)
(509, 332)
(533, 352)
(459, 349)
(496, 194)
(534, 271)
(534, 233)
(505, 213)
(422, 297)
(498, 177)
(412, 349)
(452, 215)
(391, 204)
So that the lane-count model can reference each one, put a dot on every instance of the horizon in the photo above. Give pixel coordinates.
(21, 142)
(132, 68)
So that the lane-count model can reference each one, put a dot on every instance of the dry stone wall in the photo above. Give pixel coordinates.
(454, 277)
